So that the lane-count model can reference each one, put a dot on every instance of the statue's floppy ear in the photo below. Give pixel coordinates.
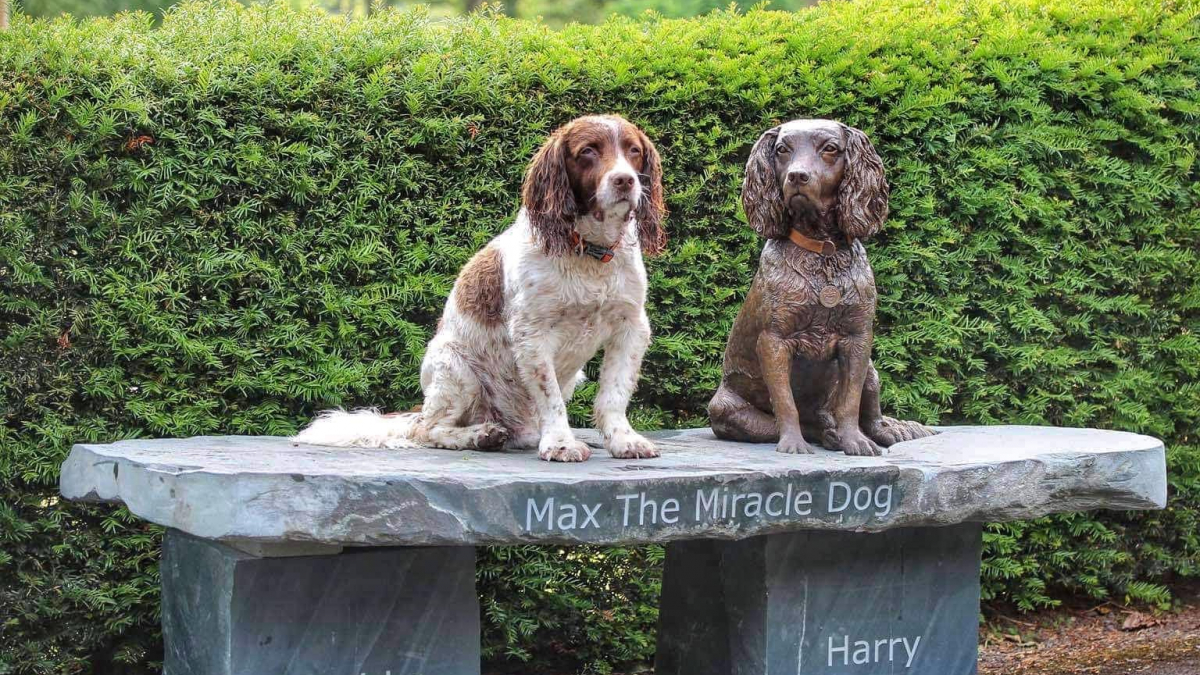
(863, 195)
(762, 198)
(547, 196)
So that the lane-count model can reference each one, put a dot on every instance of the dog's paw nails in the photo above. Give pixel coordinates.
(491, 436)
(794, 445)
(632, 446)
(569, 450)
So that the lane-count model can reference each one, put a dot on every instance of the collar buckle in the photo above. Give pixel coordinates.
(584, 247)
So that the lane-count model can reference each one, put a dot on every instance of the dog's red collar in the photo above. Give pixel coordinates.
(824, 247)
(584, 247)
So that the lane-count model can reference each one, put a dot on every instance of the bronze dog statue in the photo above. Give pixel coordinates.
(798, 362)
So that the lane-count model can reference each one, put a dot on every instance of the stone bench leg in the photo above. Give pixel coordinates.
(823, 603)
(387, 611)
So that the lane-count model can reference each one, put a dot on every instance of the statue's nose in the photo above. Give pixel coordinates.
(799, 177)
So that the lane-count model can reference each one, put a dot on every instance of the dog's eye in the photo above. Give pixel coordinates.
(829, 147)
(589, 151)
(782, 150)
(635, 150)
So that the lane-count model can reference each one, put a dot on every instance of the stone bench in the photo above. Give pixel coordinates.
(300, 559)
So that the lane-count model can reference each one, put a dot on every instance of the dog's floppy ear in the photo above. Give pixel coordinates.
(651, 209)
(863, 196)
(547, 196)
(762, 198)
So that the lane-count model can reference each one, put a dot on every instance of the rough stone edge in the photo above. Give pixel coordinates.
(1147, 491)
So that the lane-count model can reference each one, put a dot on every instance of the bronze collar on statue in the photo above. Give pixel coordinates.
(823, 247)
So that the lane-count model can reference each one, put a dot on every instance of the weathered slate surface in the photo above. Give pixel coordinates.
(403, 611)
(823, 603)
(267, 490)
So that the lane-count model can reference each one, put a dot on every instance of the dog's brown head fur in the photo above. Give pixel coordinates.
(815, 175)
(592, 164)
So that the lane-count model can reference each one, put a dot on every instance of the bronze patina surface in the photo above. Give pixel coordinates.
(798, 362)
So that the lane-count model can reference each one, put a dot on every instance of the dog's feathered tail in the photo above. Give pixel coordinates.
(367, 428)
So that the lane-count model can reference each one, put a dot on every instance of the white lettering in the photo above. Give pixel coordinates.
(589, 516)
(862, 654)
(754, 501)
(911, 652)
(803, 499)
(833, 488)
(626, 499)
(706, 505)
(862, 649)
(865, 493)
(767, 506)
(566, 517)
(844, 649)
(736, 498)
(669, 509)
(531, 511)
(883, 500)
(653, 510)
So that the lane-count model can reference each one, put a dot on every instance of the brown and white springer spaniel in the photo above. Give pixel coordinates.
(535, 305)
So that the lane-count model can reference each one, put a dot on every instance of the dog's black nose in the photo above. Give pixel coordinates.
(799, 177)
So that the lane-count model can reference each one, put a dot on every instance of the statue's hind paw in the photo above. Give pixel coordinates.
(889, 431)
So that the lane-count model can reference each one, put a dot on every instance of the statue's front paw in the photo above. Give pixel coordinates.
(630, 445)
(793, 444)
(889, 431)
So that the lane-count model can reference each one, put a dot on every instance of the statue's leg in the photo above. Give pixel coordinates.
(885, 431)
(853, 363)
(734, 418)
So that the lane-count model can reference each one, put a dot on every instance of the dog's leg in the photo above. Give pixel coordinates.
(853, 361)
(885, 431)
(775, 356)
(533, 347)
(450, 392)
(567, 385)
(618, 377)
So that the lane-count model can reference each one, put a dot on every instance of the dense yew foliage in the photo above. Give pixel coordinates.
(246, 215)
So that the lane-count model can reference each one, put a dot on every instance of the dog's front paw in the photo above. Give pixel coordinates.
(563, 448)
(793, 444)
(630, 445)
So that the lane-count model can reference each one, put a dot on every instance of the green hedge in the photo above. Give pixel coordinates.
(246, 215)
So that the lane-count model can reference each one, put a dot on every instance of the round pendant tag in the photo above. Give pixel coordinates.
(830, 296)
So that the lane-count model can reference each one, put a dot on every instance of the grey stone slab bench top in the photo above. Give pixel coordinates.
(269, 491)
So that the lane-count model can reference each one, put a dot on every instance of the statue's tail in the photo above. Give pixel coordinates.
(367, 428)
